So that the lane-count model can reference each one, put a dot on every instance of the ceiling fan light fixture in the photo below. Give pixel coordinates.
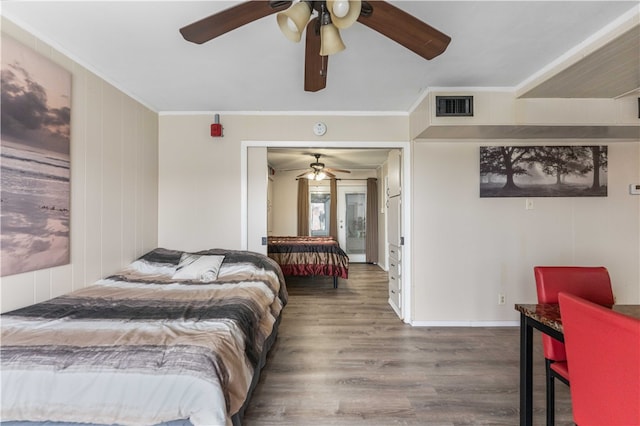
(330, 40)
(293, 21)
(316, 175)
(338, 8)
(344, 12)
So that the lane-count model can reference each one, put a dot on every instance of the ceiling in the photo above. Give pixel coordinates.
(136, 46)
(342, 158)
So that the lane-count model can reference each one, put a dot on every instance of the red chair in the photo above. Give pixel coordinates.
(603, 349)
(591, 283)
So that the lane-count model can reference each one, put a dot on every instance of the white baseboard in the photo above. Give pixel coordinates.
(395, 308)
(465, 323)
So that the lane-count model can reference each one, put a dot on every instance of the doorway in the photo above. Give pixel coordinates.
(250, 234)
(352, 206)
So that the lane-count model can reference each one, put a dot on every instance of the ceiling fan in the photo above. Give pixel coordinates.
(317, 170)
(323, 36)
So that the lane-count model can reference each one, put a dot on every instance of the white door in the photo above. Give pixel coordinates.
(352, 211)
(394, 215)
(257, 178)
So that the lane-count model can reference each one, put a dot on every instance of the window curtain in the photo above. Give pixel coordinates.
(371, 241)
(333, 209)
(303, 207)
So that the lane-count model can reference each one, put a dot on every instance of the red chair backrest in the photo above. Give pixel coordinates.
(589, 282)
(603, 349)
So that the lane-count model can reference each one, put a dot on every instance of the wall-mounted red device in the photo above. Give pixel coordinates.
(216, 127)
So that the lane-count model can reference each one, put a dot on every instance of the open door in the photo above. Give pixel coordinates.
(257, 183)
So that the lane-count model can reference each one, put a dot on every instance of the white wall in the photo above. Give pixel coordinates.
(200, 176)
(139, 181)
(465, 249)
(468, 249)
(114, 183)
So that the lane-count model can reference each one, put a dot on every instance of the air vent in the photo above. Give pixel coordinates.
(454, 106)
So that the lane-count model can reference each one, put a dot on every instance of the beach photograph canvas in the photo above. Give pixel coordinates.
(34, 161)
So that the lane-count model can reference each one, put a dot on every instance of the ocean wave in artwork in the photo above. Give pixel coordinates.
(35, 210)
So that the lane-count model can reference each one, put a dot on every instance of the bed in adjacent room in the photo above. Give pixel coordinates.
(175, 337)
(309, 256)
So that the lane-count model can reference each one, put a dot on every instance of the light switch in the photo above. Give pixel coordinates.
(634, 189)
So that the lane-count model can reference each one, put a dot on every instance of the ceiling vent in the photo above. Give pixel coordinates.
(454, 106)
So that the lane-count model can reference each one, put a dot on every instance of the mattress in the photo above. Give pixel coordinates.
(142, 347)
(308, 256)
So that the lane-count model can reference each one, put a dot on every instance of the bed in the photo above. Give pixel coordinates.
(174, 338)
(309, 256)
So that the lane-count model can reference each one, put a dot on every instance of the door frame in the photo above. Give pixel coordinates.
(407, 296)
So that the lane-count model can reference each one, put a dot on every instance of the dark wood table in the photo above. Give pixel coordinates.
(546, 318)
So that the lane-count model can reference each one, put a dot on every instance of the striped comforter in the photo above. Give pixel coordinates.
(140, 348)
(308, 256)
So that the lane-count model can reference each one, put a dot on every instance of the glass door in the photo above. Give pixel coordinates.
(352, 208)
(319, 211)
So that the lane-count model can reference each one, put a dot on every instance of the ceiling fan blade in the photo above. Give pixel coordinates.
(303, 174)
(315, 66)
(331, 175)
(229, 19)
(331, 169)
(403, 28)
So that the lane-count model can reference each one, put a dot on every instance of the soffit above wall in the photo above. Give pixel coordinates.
(591, 77)
(531, 132)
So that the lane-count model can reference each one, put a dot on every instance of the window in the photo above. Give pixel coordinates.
(319, 211)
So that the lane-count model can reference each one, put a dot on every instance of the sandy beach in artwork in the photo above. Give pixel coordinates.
(34, 160)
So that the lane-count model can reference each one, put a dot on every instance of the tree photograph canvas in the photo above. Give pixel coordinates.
(34, 161)
(543, 171)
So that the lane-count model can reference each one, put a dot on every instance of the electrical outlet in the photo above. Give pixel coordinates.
(501, 299)
(528, 204)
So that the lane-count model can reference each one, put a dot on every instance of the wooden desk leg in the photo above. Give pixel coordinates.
(526, 372)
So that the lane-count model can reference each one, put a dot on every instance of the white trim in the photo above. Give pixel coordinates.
(418, 101)
(395, 308)
(630, 92)
(406, 198)
(244, 213)
(471, 89)
(294, 113)
(465, 323)
(406, 233)
(578, 52)
(64, 52)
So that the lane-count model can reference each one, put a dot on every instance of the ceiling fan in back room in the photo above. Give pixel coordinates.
(317, 170)
(323, 21)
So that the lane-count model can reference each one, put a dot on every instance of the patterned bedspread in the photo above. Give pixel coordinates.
(141, 348)
(306, 256)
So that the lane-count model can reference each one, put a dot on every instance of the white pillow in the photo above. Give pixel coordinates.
(152, 268)
(201, 268)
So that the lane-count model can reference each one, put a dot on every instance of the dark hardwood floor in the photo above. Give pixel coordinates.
(344, 358)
